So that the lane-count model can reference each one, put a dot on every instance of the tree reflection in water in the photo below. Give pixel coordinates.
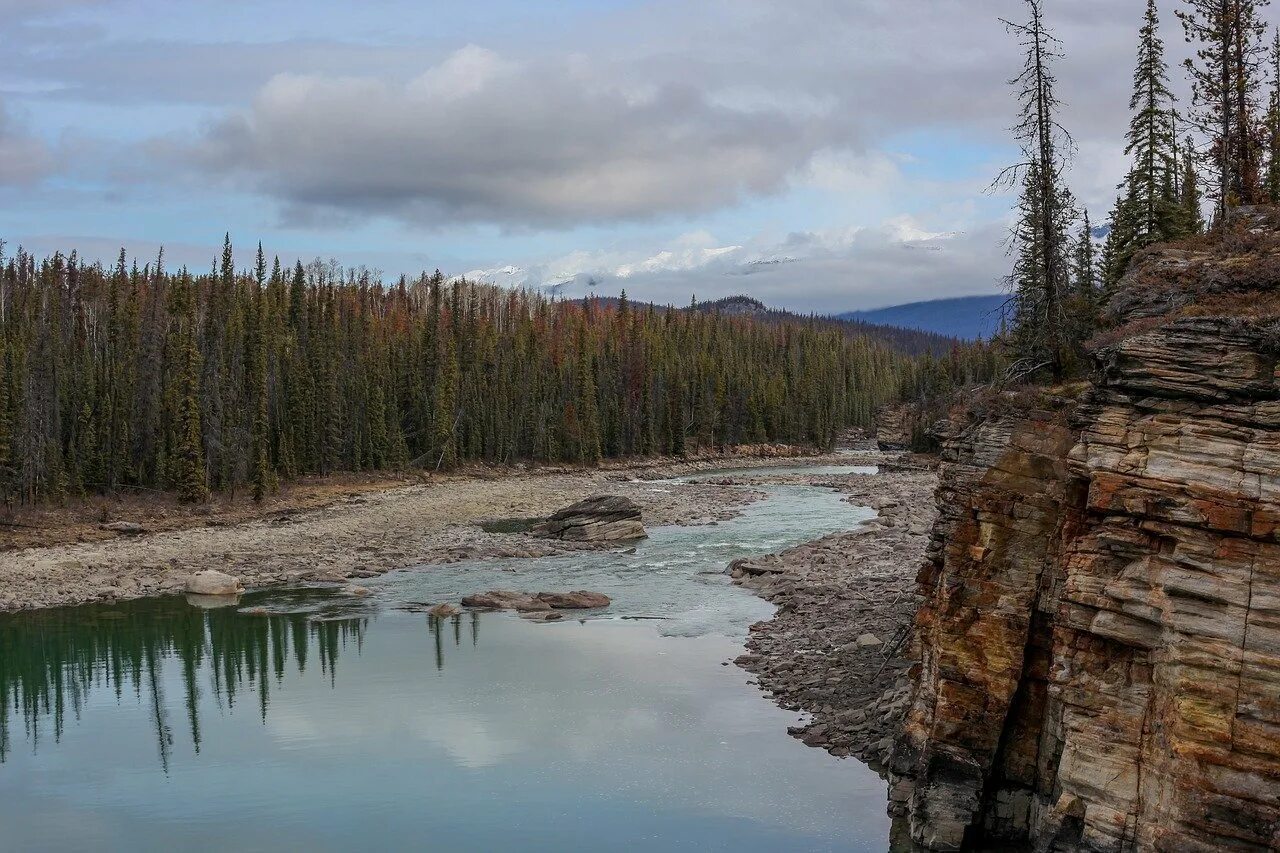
(51, 660)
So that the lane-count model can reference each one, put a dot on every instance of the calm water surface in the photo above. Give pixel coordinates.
(331, 724)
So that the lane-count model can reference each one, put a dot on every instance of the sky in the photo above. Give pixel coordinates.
(819, 155)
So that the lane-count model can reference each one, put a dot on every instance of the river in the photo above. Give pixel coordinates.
(332, 723)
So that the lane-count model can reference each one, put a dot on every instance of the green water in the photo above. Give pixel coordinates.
(336, 724)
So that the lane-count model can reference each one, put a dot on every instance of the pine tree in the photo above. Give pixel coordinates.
(1189, 204)
(321, 371)
(189, 476)
(259, 464)
(587, 406)
(1151, 137)
(1041, 274)
(1272, 187)
(444, 407)
(1228, 35)
(7, 469)
(1085, 267)
(1147, 210)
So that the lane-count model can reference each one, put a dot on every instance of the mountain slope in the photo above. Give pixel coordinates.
(966, 317)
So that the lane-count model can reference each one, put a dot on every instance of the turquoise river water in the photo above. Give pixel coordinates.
(333, 724)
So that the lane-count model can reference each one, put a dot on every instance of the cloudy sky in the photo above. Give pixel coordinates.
(818, 154)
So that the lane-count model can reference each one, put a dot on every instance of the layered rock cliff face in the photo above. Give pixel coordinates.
(1099, 649)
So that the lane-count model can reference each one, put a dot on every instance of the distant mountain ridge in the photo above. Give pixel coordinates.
(903, 338)
(964, 317)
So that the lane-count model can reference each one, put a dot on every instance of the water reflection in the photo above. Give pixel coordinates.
(52, 660)
(452, 625)
(338, 730)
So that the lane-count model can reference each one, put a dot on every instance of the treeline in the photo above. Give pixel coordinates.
(1225, 147)
(139, 378)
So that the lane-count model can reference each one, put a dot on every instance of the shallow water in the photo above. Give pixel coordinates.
(329, 724)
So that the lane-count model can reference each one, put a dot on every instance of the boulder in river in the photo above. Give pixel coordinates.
(495, 599)
(543, 616)
(756, 566)
(211, 582)
(578, 600)
(525, 602)
(441, 611)
(600, 518)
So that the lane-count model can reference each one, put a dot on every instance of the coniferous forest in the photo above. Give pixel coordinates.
(140, 378)
(1226, 142)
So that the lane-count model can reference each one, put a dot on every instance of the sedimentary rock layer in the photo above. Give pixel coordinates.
(1099, 648)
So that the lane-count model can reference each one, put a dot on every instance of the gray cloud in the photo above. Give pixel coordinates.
(24, 159)
(653, 116)
(482, 138)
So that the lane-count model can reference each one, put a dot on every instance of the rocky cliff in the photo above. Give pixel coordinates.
(1099, 648)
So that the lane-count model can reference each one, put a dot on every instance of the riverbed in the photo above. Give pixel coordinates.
(307, 719)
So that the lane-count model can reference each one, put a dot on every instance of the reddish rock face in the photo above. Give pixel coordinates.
(1100, 641)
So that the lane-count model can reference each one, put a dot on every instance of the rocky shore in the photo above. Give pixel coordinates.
(367, 534)
(837, 647)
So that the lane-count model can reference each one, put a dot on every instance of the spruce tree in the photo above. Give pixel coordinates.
(587, 406)
(1041, 274)
(1189, 204)
(1151, 137)
(1272, 184)
(1148, 208)
(1085, 267)
(189, 475)
(7, 469)
(444, 407)
(259, 443)
(1229, 54)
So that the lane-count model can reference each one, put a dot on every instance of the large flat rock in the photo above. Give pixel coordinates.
(600, 518)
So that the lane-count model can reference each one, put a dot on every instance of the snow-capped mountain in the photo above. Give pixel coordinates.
(518, 278)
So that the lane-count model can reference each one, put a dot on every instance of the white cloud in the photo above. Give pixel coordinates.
(830, 270)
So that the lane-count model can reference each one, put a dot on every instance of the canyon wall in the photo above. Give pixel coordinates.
(1099, 648)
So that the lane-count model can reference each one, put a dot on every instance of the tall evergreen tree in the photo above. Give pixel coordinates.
(444, 409)
(1151, 136)
(1041, 274)
(189, 475)
(259, 463)
(1147, 210)
(1085, 267)
(1189, 203)
(1229, 55)
(1272, 184)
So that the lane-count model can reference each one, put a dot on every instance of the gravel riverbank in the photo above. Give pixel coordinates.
(362, 535)
(837, 647)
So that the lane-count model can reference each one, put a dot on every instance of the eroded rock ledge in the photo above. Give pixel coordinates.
(1099, 647)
